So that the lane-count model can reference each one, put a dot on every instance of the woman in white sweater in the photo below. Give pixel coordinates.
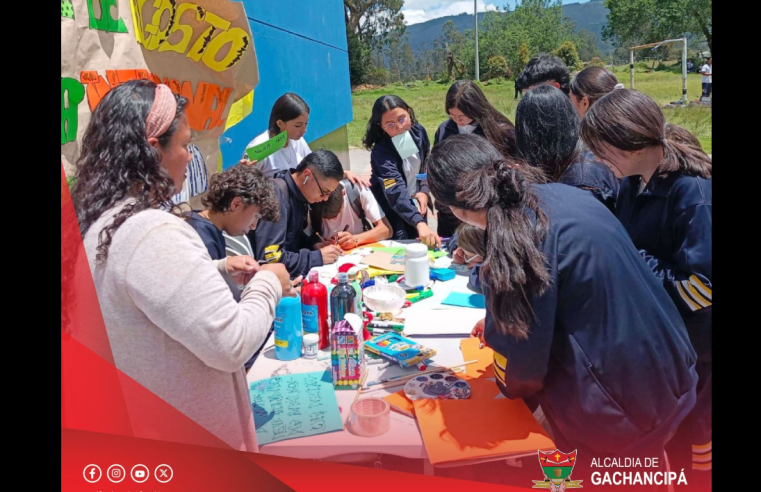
(171, 319)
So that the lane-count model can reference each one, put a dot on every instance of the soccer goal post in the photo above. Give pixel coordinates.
(657, 45)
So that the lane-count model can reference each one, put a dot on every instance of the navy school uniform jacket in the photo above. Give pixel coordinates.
(447, 222)
(608, 357)
(388, 183)
(211, 236)
(589, 172)
(284, 241)
(670, 225)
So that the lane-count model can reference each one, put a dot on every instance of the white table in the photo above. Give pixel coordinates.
(403, 438)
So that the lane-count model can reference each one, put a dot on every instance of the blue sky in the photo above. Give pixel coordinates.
(416, 11)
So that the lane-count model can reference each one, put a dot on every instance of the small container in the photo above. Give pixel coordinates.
(311, 343)
(370, 417)
(417, 268)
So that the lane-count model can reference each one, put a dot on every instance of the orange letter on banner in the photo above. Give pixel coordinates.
(97, 87)
(206, 106)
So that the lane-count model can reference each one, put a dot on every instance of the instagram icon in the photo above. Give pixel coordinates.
(115, 473)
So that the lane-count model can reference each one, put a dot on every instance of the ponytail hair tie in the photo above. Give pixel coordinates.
(618, 86)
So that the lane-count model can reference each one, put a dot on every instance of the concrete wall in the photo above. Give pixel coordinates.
(300, 47)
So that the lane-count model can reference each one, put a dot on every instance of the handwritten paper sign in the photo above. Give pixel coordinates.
(266, 149)
(294, 405)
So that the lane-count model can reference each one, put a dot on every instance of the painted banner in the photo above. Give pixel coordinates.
(202, 49)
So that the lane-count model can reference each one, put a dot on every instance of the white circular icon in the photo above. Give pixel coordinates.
(140, 475)
(89, 473)
(163, 473)
(115, 473)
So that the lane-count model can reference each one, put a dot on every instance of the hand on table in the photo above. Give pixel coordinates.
(330, 254)
(346, 240)
(427, 236)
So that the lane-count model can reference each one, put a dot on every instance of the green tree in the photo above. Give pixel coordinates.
(524, 56)
(567, 52)
(368, 24)
(649, 21)
(497, 67)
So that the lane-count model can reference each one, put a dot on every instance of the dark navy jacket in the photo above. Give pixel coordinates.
(388, 182)
(670, 224)
(590, 173)
(608, 357)
(211, 236)
(284, 241)
(447, 222)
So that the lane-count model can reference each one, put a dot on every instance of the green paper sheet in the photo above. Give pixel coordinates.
(266, 149)
(400, 252)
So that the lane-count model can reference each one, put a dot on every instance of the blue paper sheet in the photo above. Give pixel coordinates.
(463, 299)
(294, 405)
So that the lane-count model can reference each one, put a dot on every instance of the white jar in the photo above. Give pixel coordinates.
(416, 265)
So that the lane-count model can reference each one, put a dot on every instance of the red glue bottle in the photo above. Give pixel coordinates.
(314, 308)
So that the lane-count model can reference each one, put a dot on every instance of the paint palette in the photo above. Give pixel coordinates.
(438, 387)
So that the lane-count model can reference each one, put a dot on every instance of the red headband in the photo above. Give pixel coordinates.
(162, 112)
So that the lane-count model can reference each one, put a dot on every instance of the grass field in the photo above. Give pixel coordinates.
(428, 103)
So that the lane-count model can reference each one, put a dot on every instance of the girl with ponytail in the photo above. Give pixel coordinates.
(587, 329)
(665, 205)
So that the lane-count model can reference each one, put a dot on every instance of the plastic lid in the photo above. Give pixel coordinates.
(353, 273)
(416, 250)
(343, 278)
(314, 275)
(311, 338)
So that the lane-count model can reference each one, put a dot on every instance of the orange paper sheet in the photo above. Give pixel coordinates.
(478, 430)
(484, 368)
(481, 389)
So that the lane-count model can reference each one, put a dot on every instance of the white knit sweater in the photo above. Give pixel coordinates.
(173, 324)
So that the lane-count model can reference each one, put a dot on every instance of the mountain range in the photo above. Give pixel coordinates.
(590, 16)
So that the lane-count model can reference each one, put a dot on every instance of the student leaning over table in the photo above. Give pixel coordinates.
(171, 320)
(665, 204)
(576, 319)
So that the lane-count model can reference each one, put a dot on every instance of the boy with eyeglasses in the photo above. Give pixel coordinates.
(284, 241)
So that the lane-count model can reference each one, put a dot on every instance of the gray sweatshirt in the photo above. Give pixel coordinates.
(174, 326)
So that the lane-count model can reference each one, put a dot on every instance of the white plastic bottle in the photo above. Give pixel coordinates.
(416, 265)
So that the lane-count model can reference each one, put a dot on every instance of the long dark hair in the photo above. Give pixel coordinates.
(629, 120)
(375, 133)
(117, 162)
(467, 172)
(466, 96)
(547, 130)
(288, 107)
(593, 83)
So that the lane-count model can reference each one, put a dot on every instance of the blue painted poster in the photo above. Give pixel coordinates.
(293, 406)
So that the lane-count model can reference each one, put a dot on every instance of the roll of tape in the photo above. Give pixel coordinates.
(370, 417)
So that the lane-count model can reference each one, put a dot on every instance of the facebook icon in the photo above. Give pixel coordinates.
(92, 473)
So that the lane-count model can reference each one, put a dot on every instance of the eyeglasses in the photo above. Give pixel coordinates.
(322, 192)
(392, 126)
(460, 118)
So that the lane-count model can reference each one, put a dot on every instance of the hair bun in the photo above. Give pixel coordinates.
(509, 184)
